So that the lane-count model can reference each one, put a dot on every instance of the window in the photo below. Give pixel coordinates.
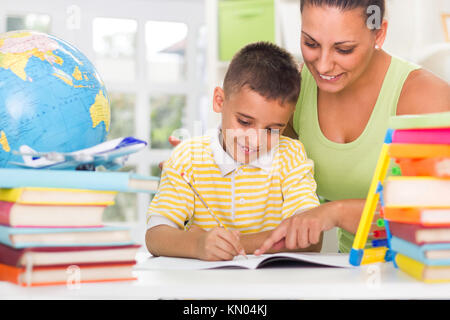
(151, 58)
(166, 50)
(125, 206)
(37, 22)
(114, 42)
(122, 114)
(166, 117)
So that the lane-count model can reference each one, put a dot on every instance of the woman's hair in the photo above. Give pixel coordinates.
(348, 5)
(265, 68)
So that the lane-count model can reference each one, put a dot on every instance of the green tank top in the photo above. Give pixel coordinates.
(344, 170)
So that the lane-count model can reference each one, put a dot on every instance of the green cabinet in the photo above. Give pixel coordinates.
(242, 22)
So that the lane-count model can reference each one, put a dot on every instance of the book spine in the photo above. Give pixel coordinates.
(436, 167)
(424, 136)
(410, 266)
(404, 231)
(5, 212)
(408, 249)
(402, 215)
(5, 237)
(11, 195)
(10, 256)
(10, 273)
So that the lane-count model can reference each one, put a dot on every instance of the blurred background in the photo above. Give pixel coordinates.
(161, 59)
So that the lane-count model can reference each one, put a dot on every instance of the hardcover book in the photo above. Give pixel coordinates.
(58, 256)
(71, 237)
(419, 234)
(418, 215)
(54, 196)
(422, 272)
(66, 275)
(437, 254)
(416, 191)
(78, 179)
(25, 215)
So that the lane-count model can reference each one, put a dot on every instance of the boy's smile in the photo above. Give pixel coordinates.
(251, 124)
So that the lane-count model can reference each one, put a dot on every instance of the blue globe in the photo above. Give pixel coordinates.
(51, 96)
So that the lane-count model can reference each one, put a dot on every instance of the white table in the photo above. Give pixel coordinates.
(378, 281)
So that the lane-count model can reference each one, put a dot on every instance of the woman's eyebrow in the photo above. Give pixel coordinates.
(336, 43)
(309, 36)
(345, 42)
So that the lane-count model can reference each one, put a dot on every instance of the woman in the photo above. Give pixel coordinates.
(350, 88)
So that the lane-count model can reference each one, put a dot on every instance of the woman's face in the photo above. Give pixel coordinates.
(337, 46)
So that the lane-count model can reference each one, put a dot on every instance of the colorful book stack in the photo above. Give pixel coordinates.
(416, 201)
(52, 232)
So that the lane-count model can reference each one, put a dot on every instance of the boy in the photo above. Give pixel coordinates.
(251, 177)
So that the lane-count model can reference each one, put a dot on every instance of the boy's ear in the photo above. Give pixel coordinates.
(218, 99)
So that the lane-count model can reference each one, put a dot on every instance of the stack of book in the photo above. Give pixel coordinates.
(52, 231)
(417, 202)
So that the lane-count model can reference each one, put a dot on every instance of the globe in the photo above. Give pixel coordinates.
(51, 96)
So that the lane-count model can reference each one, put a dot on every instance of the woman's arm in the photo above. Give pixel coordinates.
(302, 230)
(423, 92)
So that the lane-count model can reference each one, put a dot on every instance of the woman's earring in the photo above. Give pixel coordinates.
(377, 47)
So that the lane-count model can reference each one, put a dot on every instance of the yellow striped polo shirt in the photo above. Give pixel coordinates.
(250, 197)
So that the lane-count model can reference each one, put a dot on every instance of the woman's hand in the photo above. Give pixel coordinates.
(218, 244)
(301, 230)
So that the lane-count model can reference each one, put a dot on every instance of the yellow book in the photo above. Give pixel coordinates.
(54, 196)
(422, 272)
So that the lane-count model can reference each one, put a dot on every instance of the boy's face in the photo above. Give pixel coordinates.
(251, 124)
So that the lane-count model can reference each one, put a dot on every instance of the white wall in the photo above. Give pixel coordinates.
(416, 33)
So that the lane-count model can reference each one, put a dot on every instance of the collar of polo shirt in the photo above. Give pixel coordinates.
(227, 164)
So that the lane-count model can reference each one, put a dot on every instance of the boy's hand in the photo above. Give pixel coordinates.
(219, 244)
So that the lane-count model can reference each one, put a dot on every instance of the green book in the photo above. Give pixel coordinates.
(421, 121)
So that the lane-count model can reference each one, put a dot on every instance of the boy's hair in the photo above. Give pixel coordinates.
(266, 69)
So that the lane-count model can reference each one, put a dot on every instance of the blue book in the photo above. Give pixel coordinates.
(64, 237)
(78, 179)
(436, 254)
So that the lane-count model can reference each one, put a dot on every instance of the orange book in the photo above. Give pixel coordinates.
(421, 151)
(436, 167)
(423, 216)
(67, 275)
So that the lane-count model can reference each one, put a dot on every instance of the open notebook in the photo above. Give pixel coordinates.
(284, 259)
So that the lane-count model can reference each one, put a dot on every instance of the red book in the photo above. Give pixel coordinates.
(31, 215)
(419, 234)
(60, 256)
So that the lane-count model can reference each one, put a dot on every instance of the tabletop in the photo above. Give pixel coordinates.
(377, 281)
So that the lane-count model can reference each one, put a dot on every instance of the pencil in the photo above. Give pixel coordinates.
(208, 208)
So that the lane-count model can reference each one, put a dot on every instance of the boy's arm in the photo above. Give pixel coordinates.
(213, 245)
(164, 240)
